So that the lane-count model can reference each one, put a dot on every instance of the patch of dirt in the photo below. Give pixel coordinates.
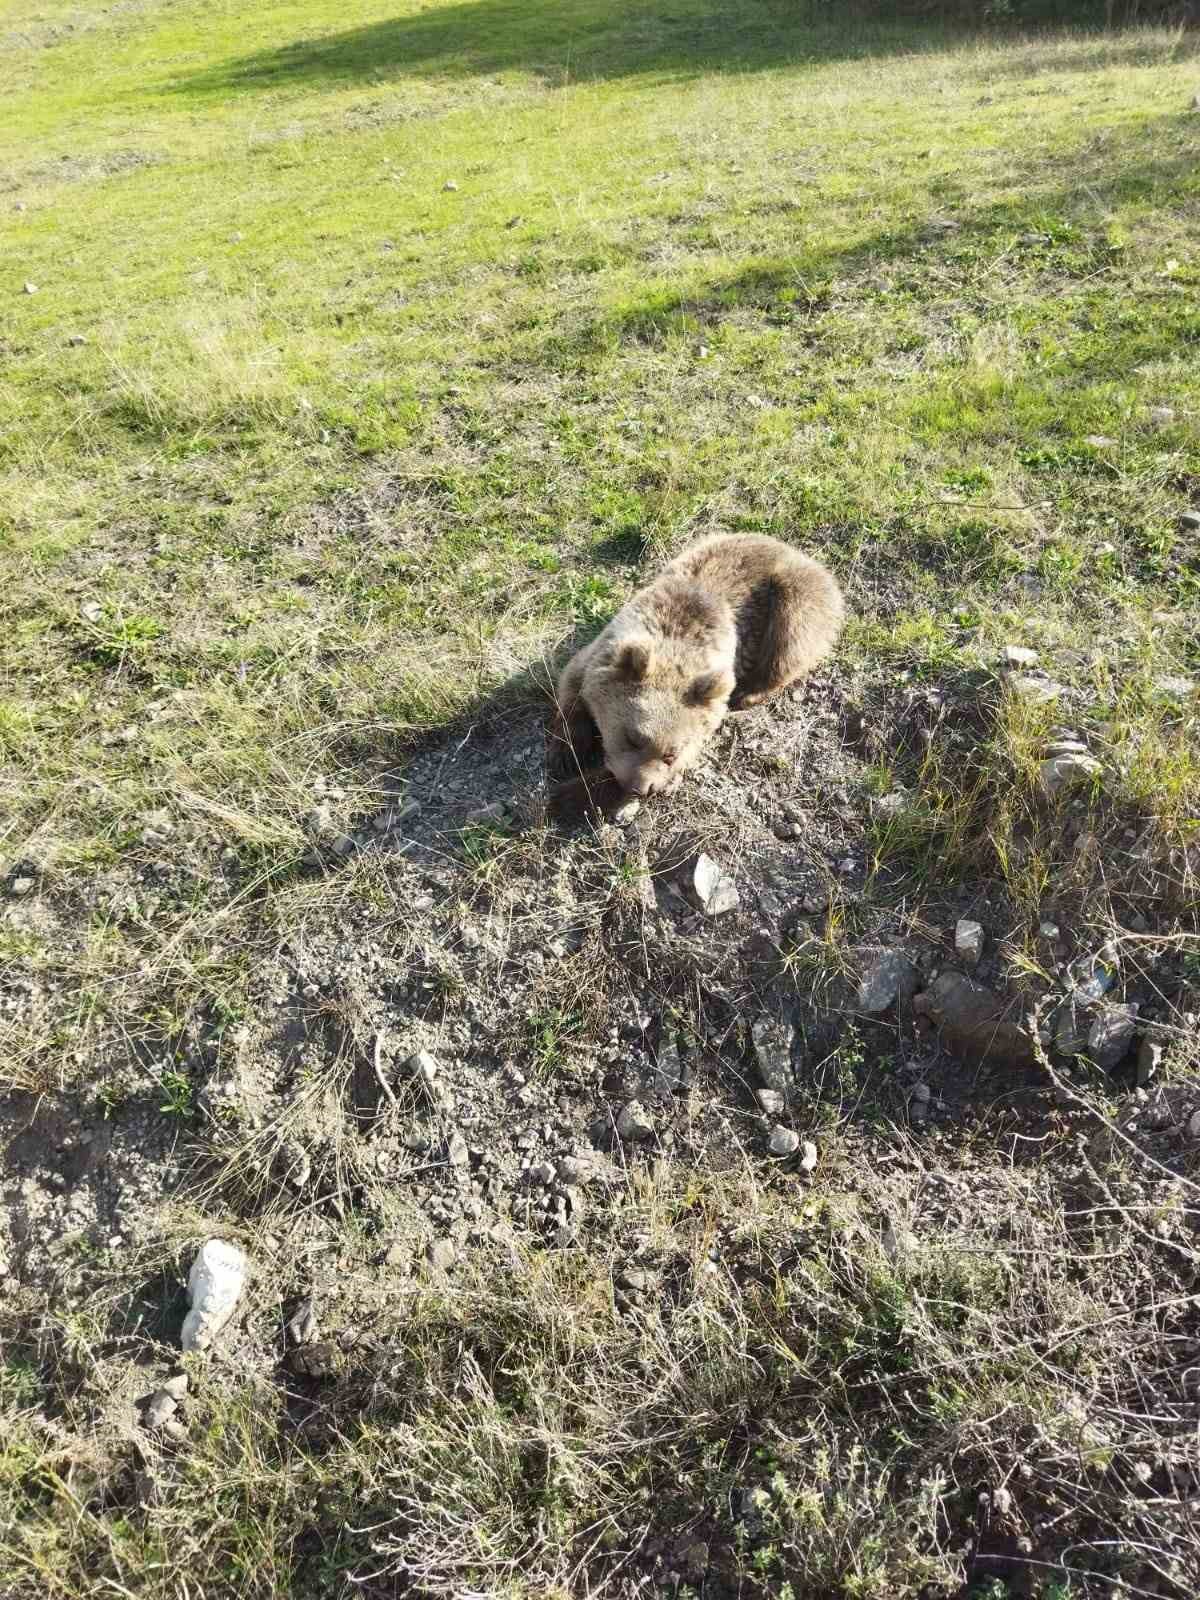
(79, 169)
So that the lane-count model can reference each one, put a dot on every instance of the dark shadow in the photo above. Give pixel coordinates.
(562, 41)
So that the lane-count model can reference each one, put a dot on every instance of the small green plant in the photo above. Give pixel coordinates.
(547, 1034)
(114, 640)
(178, 1094)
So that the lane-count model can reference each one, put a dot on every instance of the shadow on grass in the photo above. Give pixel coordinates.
(565, 40)
(1045, 225)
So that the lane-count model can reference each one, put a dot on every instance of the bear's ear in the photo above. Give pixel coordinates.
(709, 687)
(632, 661)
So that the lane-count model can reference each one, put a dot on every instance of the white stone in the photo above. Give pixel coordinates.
(714, 888)
(215, 1285)
(1065, 771)
(808, 1157)
(968, 939)
(1019, 655)
(1039, 691)
(783, 1142)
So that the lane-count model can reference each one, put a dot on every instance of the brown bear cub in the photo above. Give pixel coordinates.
(731, 620)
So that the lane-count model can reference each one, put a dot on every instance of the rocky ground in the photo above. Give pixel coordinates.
(477, 1036)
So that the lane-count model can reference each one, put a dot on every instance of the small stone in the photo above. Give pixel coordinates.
(1162, 415)
(1049, 930)
(772, 1039)
(159, 1409)
(1149, 1059)
(1110, 1035)
(23, 886)
(770, 1101)
(1196, 102)
(303, 1329)
(783, 1142)
(175, 1431)
(968, 939)
(885, 981)
(634, 1280)
(1037, 691)
(1019, 655)
(1189, 522)
(450, 187)
(1174, 688)
(1065, 772)
(626, 811)
(1099, 441)
(714, 890)
(441, 1254)
(215, 1284)
(634, 1122)
(457, 1151)
(396, 1255)
(75, 340)
(342, 845)
(176, 1386)
(29, 288)
(542, 1174)
(574, 1170)
(921, 1094)
(808, 1157)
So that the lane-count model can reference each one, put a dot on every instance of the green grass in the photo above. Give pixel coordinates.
(376, 349)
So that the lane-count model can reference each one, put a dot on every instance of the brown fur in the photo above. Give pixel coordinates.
(733, 619)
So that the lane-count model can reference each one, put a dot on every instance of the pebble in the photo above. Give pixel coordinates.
(542, 1174)
(441, 1254)
(772, 1038)
(770, 1101)
(783, 1142)
(1111, 1034)
(23, 886)
(1149, 1060)
(884, 981)
(1065, 771)
(29, 288)
(1189, 522)
(714, 890)
(1099, 441)
(1162, 415)
(634, 1122)
(1049, 930)
(75, 340)
(1019, 655)
(808, 1157)
(968, 939)
(215, 1285)
(1036, 690)
(303, 1328)
(450, 187)
(176, 1386)
(159, 1409)
(456, 1149)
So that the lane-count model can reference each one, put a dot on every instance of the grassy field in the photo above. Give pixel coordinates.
(354, 358)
